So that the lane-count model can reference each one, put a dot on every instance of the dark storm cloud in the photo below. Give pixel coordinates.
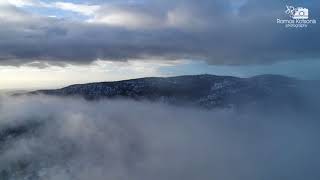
(220, 32)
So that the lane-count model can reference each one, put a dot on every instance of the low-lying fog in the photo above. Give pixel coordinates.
(49, 138)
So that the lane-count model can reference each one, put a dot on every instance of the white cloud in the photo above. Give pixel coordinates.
(63, 139)
(125, 19)
(67, 6)
(78, 8)
(128, 17)
(139, 17)
(22, 3)
(10, 13)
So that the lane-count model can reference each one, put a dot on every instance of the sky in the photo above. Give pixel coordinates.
(50, 44)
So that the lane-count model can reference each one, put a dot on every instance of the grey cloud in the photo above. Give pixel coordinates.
(215, 31)
(62, 139)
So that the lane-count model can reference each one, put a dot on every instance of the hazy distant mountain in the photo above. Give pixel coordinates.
(201, 90)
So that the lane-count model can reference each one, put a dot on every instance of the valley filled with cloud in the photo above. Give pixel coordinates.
(54, 138)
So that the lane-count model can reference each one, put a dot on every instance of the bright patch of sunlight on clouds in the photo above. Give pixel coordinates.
(32, 77)
(78, 8)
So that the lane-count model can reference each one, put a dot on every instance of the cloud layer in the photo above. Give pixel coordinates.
(219, 32)
(62, 139)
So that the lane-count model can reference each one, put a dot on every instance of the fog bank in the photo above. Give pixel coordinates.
(72, 139)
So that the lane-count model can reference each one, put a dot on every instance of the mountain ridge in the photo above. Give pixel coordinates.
(204, 90)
